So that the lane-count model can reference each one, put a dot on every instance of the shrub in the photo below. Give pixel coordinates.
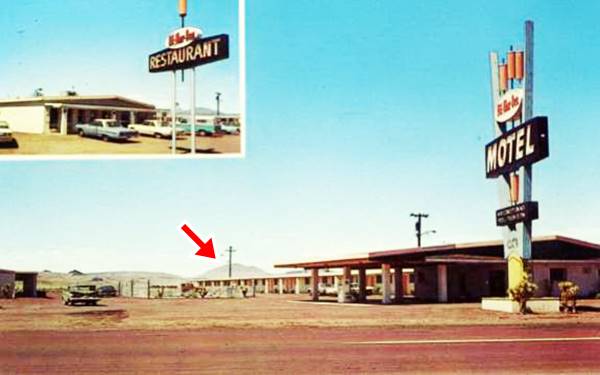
(568, 296)
(523, 292)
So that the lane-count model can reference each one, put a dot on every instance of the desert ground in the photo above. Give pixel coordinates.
(286, 333)
(55, 144)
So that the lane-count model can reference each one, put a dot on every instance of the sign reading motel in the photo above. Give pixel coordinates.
(197, 52)
(523, 145)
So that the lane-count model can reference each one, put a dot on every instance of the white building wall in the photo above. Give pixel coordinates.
(25, 119)
(586, 276)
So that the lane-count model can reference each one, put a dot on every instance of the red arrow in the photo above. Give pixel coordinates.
(206, 249)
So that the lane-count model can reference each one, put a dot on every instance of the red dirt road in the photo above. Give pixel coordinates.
(301, 350)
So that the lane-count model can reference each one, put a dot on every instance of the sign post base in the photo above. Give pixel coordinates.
(516, 271)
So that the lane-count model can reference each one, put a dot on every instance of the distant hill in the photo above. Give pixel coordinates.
(200, 111)
(237, 271)
(54, 280)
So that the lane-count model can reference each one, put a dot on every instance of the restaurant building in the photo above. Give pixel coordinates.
(60, 114)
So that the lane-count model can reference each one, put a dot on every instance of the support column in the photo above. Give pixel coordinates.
(344, 288)
(298, 285)
(280, 286)
(314, 281)
(442, 283)
(362, 285)
(398, 287)
(131, 117)
(73, 121)
(63, 121)
(267, 286)
(385, 284)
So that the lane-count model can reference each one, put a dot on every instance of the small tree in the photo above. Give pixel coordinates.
(568, 296)
(523, 291)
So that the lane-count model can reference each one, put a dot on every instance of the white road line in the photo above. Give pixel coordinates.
(475, 341)
(331, 303)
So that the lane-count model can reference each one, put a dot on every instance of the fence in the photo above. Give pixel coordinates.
(142, 288)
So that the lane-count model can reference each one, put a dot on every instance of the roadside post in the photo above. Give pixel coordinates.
(187, 49)
(521, 140)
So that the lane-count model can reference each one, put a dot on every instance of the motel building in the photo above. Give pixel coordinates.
(299, 282)
(60, 114)
(445, 273)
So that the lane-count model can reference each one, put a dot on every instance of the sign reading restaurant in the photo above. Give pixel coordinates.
(197, 52)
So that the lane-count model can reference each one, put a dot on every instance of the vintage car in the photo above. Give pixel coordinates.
(201, 129)
(230, 129)
(106, 291)
(6, 136)
(155, 128)
(105, 129)
(82, 294)
(354, 288)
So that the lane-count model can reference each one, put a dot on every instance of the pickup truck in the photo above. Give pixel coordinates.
(105, 129)
(155, 128)
(84, 294)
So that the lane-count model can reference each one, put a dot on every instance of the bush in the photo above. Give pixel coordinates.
(568, 296)
(523, 292)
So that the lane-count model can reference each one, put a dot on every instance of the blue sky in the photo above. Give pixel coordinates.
(359, 113)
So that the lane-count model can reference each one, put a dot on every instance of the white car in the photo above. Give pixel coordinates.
(154, 128)
(5, 133)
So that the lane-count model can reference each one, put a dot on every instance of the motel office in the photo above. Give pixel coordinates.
(446, 273)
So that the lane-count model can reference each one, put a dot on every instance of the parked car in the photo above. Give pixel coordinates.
(105, 129)
(6, 136)
(230, 129)
(325, 289)
(155, 128)
(83, 294)
(200, 129)
(106, 291)
(354, 289)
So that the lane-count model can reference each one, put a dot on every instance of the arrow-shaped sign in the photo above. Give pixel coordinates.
(206, 249)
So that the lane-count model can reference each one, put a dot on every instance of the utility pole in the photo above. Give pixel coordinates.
(230, 251)
(218, 98)
(419, 216)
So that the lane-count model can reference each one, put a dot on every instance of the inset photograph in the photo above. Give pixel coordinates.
(124, 79)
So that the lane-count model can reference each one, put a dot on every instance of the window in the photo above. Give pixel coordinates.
(378, 279)
(558, 275)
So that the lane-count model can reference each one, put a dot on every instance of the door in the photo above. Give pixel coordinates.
(497, 283)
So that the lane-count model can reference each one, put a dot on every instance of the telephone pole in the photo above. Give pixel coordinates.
(230, 250)
(419, 216)
(218, 99)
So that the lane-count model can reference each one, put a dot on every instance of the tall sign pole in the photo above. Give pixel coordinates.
(187, 49)
(193, 113)
(174, 115)
(521, 140)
